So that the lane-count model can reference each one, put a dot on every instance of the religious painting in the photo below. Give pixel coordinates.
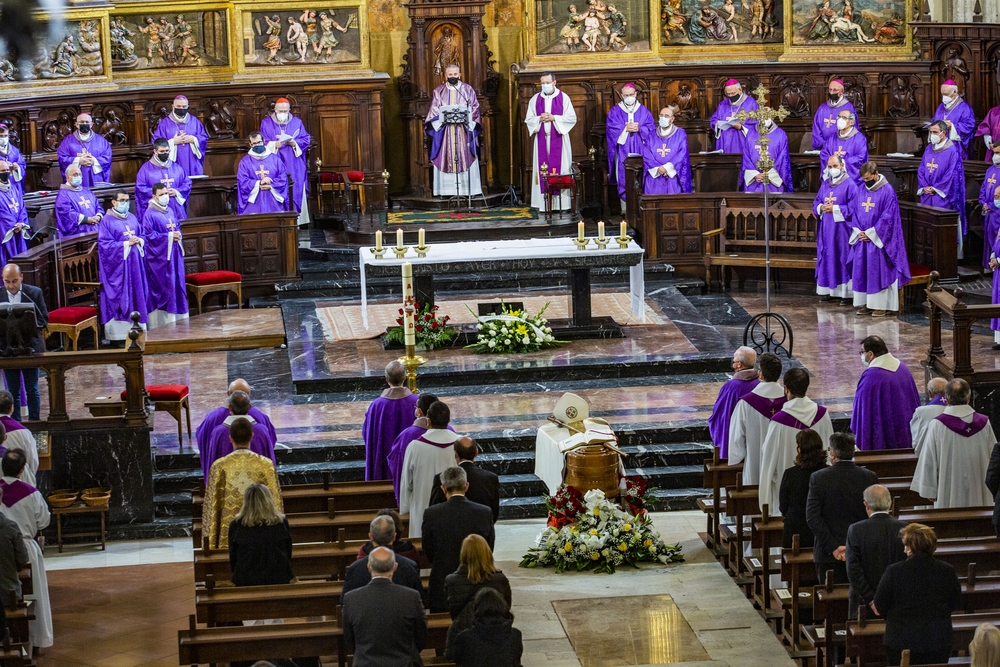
(859, 27)
(721, 23)
(306, 36)
(152, 39)
(385, 15)
(592, 31)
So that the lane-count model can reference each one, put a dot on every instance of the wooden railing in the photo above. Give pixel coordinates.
(963, 316)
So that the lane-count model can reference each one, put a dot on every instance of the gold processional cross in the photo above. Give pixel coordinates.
(765, 113)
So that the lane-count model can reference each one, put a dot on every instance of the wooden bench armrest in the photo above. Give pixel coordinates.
(714, 232)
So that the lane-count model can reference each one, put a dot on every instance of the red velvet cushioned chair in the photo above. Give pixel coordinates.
(72, 321)
(206, 282)
(171, 398)
(919, 275)
(556, 184)
(339, 183)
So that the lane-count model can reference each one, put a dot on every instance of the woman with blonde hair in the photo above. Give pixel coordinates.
(475, 571)
(984, 649)
(260, 545)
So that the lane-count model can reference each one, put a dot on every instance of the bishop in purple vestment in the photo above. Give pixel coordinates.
(847, 143)
(218, 415)
(87, 150)
(219, 444)
(741, 383)
(885, 400)
(286, 136)
(665, 158)
(261, 184)
(77, 209)
(988, 129)
(958, 115)
(388, 415)
(988, 199)
(120, 251)
(825, 119)
(941, 177)
(14, 227)
(10, 154)
(167, 301)
(160, 169)
(186, 137)
(879, 266)
(454, 147)
(627, 128)
(779, 178)
(834, 207)
(730, 134)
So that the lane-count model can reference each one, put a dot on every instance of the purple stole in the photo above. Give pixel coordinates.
(938, 400)
(11, 424)
(436, 444)
(765, 406)
(951, 422)
(13, 493)
(786, 419)
(554, 146)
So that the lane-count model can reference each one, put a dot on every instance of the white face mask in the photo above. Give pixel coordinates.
(547, 88)
(768, 123)
(841, 124)
(947, 99)
(162, 199)
(864, 361)
(834, 172)
(996, 159)
(4, 141)
(664, 122)
(629, 101)
(936, 139)
(282, 116)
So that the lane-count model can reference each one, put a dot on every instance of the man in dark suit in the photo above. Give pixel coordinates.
(15, 291)
(993, 484)
(872, 546)
(835, 501)
(382, 533)
(484, 486)
(444, 528)
(384, 624)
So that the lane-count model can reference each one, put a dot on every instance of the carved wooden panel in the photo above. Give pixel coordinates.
(687, 95)
(221, 117)
(111, 122)
(16, 123)
(901, 96)
(340, 153)
(793, 93)
(55, 124)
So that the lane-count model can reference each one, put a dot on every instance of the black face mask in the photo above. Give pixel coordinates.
(162, 157)
(453, 80)
(834, 97)
(180, 113)
(871, 184)
(84, 128)
(734, 98)
(5, 177)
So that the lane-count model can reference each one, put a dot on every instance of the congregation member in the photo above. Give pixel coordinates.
(957, 115)
(76, 209)
(160, 169)
(382, 533)
(993, 484)
(218, 415)
(24, 505)
(286, 136)
(165, 275)
(454, 152)
(917, 597)
(122, 267)
(445, 526)
(924, 414)
(386, 417)
(550, 117)
(743, 381)
(261, 182)
(628, 127)
(491, 640)
(219, 442)
(884, 401)
(400, 545)
(988, 199)
(984, 649)
(752, 416)
(666, 157)
(426, 456)
(16, 291)
(731, 134)
(484, 486)
(228, 479)
(879, 265)
(835, 207)
(848, 144)
(476, 571)
(10, 154)
(397, 452)
(13, 554)
(15, 230)
(826, 120)
(186, 137)
(955, 453)
(87, 150)
(777, 452)
(872, 546)
(260, 543)
(779, 177)
(794, 490)
(836, 500)
(18, 437)
(941, 177)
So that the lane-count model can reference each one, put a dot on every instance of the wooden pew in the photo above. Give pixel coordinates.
(741, 503)
(317, 526)
(325, 497)
(717, 474)
(952, 522)
(798, 570)
(864, 636)
(766, 533)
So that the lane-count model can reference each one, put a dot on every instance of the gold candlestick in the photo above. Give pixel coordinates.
(411, 362)
(421, 250)
(601, 241)
(400, 252)
(623, 241)
(378, 252)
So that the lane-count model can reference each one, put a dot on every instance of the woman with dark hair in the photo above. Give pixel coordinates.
(794, 490)
(401, 547)
(260, 546)
(491, 641)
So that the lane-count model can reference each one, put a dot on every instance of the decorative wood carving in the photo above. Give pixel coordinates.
(221, 118)
(14, 123)
(902, 100)
(110, 121)
(793, 93)
(60, 125)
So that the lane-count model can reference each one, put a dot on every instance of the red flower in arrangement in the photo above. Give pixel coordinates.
(445, 318)
(418, 327)
(633, 498)
(399, 321)
(564, 506)
(400, 311)
(416, 304)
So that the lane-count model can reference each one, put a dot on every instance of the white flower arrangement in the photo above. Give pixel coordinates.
(513, 332)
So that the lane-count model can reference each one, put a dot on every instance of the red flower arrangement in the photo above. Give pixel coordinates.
(634, 497)
(565, 506)
(430, 329)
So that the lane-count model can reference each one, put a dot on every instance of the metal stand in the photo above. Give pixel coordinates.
(455, 118)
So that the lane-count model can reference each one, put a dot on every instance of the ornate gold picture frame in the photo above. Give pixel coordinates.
(847, 29)
(563, 33)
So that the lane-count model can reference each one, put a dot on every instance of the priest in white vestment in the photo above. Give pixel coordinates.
(23, 504)
(777, 453)
(923, 415)
(752, 416)
(955, 453)
(18, 437)
(550, 117)
(425, 457)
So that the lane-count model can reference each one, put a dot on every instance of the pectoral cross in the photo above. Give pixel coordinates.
(83, 153)
(172, 225)
(840, 152)
(931, 166)
(167, 181)
(868, 205)
(762, 115)
(829, 120)
(991, 181)
(830, 199)
(262, 173)
(663, 150)
(84, 202)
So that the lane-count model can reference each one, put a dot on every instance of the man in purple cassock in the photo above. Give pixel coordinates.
(388, 415)
(849, 144)
(730, 134)
(779, 177)
(742, 382)
(885, 400)
(628, 127)
(219, 443)
(454, 147)
(286, 136)
(665, 158)
(186, 137)
(87, 150)
(878, 265)
(989, 128)
(122, 269)
(11, 155)
(987, 199)
(160, 169)
(825, 119)
(167, 301)
(834, 207)
(77, 209)
(218, 415)
(958, 115)
(261, 183)
(14, 227)
(941, 177)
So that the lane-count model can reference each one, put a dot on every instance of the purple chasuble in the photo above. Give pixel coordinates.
(731, 140)
(825, 123)
(883, 406)
(995, 248)
(874, 269)
(550, 152)
(659, 151)
(990, 126)
(123, 276)
(219, 445)
(170, 128)
(13, 156)
(164, 263)
(937, 400)
(991, 216)
(833, 250)
(958, 425)
(72, 206)
(385, 419)
(16, 492)
(778, 149)
(617, 153)
(786, 419)
(12, 212)
(295, 166)
(718, 422)
(72, 147)
(171, 176)
(853, 151)
(944, 171)
(962, 118)
(218, 415)
(248, 177)
(767, 407)
(453, 147)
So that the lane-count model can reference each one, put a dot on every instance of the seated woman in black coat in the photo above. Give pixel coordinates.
(475, 571)
(916, 598)
(491, 641)
(401, 547)
(260, 546)
(794, 490)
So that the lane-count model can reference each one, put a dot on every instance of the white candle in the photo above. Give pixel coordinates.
(409, 333)
(420, 238)
(579, 229)
(600, 230)
(378, 240)
(399, 239)
(624, 229)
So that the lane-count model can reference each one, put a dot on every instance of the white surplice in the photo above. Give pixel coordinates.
(421, 462)
(542, 132)
(31, 515)
(922, 416)
(778, 451)
(747, 428)
(951, 467)
(23, 440)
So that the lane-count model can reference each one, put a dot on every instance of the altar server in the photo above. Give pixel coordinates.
(19, 437)
(779, 177)
(455, 148)
(777, 452)
(879, 266)
(87, 150)
(286, 136)
(218, 415)
(742, 382)
(885, 400)
(752, 417)
(924, 414)
(941, 176)
(167, 301)
(957, 114)
(12, 156)
(77, 209)
(826, 117)
(428, 455)
(160, 169)
(261, 183)
(666, 159)
(849, 144)
(834, 205)
(388, 415)
(121, 251)
(186, 137)
(731, 134)
(23, 504)
(550, 117)
(955, 453)
(14, 227)
(988, 200)
(628, 127)
(220, 443)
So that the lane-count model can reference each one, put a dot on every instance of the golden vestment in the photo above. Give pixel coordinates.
(227, 482)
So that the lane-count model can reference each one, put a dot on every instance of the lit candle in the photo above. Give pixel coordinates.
(399, 239)
(624, 229)
(378, 240)
(600, 229)
(409, 333)
(579, 229)
(420, 238)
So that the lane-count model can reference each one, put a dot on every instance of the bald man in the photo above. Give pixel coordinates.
(742, 382)
(185, 136)
(286, 136)
(15, 291)
(87, 150)
(923, 415)
(825, 120)
(219, 415)
(388, 415)
(484, 486)
(957, 115)
(77, 209)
